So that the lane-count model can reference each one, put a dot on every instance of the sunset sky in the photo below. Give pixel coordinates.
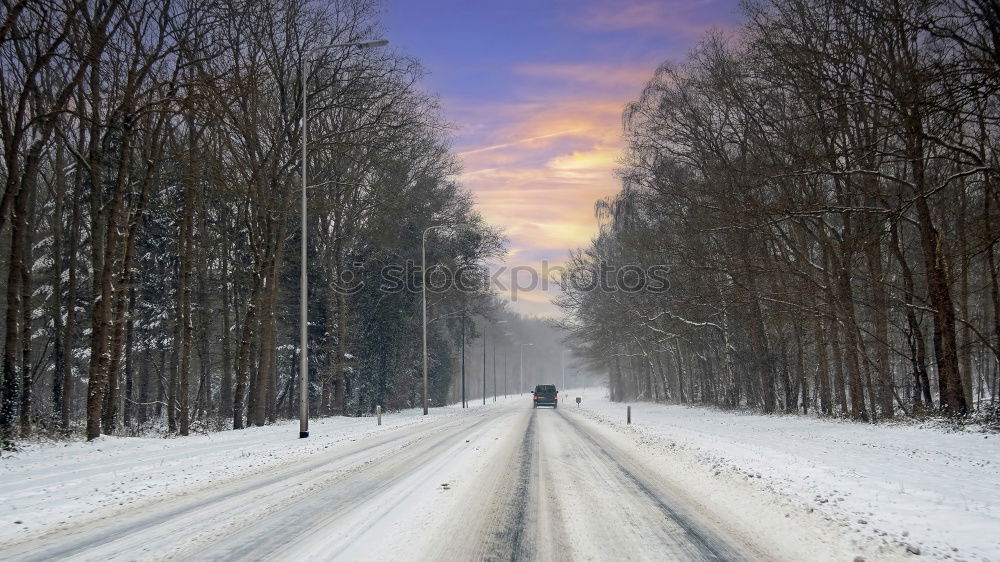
(536, 90)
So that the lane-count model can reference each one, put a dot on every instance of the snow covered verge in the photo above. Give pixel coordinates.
(49, 484)
(907, 490)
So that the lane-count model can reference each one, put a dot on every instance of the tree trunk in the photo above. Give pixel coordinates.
(27, 383)
(205, 403)
(243, 354)
(265, 376)
(855, 383)
(174, 369)
(104, 324)
(883, 377)
(945, 347)
(15, 276)
(71, 282)
(226, 388)
(800, 365)
(95, 384)
(58, 351)
(186, 256)
(823, 368)
(161, 385)
(680, 372)
(129, 406)
(339, 384)
(914, 334)
(142, 408)
(839, 381)
(760, 350)
(786, 382)
(994, 290)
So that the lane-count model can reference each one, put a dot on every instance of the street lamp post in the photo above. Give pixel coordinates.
(484, 365)
(521, 391)
(304, 273)
(495, 363)
(505, 350)
(562, 363)
(506, 372)
(464, 404)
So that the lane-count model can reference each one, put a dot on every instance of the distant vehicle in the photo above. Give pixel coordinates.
(545, 395)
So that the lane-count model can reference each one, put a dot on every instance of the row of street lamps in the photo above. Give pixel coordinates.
(304, 274)
(496, 391)
(423, 285)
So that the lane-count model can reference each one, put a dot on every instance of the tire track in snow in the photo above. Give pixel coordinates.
(342, 512)
(706, 546)
(520, 517)
(136, 529)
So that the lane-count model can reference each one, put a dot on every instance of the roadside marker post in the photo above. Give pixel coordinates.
(628, 415)
(378, 414)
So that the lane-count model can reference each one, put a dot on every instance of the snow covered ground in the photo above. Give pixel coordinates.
(934, 491)
(505, 480)
(51, 484)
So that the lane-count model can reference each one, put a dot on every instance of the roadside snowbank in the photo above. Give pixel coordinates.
(48, 484)
(933, 491)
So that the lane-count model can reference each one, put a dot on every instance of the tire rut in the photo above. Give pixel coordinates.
(128, 525)
(709, 547)
(336, 499)
(520, 527)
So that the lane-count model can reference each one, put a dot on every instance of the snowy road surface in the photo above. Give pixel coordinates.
(502, 481)
(507, 482)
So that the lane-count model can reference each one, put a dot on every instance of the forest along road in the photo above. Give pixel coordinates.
(503, 482)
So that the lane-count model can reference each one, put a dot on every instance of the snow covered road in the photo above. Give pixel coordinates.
(503, 481)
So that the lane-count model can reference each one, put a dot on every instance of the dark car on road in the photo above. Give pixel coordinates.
(545, 395)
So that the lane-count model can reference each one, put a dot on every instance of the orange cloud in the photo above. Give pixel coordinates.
(590, 118)
(536, 168)
(600, 159)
